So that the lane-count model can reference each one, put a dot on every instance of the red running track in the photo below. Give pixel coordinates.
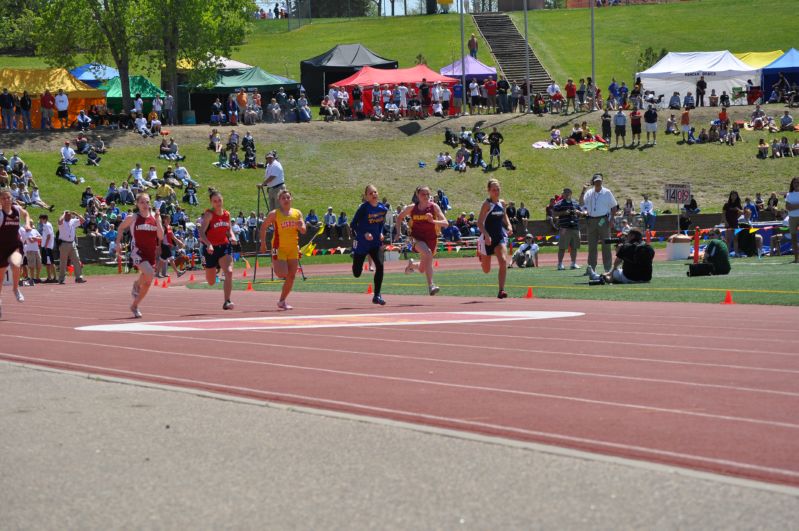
(709, 387)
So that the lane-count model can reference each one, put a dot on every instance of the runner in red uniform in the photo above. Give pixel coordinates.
(426, 220)
(10, 245)
(145, 231)
(216, 235)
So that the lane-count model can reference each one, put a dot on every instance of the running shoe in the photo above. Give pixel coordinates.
(283, 305)
(434, 289)
(502, 294)
(181, 273)
(409, 267)
(228, 305)
(561, 267)
(135, 291)
(377, 299)
(371, 268)
(20, 297)
(575, 266)
(136, 312)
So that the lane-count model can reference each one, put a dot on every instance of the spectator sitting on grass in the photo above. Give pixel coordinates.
(182, 174)
(222, 161)
(527, 253)
(163, 150)
(81, 144)
(786, 122)
(112, 194)
(126, 194)
(717, 254)
(214, 141)
(460, 160)
(554, 136)
(140, 125)
(441, 162)
(762, 149)
(92, 158)
(234, 162)
(37, 200)
(65, 172)
(155, 122)
(68, 154)
(169, 178)
(190, 194)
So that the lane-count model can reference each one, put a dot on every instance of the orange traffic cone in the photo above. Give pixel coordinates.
(728, 298)
(249, 286)
(369, 290)
(191, 278)
(164, 284)
(365, 267)
(155, 283)
(168, 280)
(529, 293)
(435, 264)
(244, 273)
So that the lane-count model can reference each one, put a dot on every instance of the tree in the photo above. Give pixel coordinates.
(18, 19)
(195, 31)
(68, 29)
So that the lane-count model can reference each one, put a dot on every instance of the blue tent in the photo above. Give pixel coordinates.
(788, 64)
(94, 74)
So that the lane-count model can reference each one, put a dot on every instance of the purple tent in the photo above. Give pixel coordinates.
(474, 69)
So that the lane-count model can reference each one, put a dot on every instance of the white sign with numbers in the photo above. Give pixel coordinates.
(677, 193)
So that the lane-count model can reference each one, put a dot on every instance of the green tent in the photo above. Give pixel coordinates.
(228, 82)
(138, 85)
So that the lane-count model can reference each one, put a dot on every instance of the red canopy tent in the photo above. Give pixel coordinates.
(367, 77)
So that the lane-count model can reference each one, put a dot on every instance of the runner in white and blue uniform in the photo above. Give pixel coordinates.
(367, 224)
(494, 228)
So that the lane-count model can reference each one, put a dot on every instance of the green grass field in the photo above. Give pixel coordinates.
(562, 38)
(752, 281)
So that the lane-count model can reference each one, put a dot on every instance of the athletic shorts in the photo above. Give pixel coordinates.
(495, 151)
(139, 259)
(685, 128)
(621, 130)
(284, 254)
(488, 250)
(636, 129)
(652, 127)
(220, 251)
(475, 101)
(6, 253)
(166, 252)
(47, 256)
(432, 244)
(569, 238)
(63, 114)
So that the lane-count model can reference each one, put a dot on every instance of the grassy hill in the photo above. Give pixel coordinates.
(401, 38)
(562, 38)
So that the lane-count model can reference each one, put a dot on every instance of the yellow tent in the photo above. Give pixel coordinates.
(759, 59)
(36, 81)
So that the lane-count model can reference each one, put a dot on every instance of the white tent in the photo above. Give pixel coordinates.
(679, 72)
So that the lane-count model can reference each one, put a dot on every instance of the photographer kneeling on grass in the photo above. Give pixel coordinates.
(633, 262)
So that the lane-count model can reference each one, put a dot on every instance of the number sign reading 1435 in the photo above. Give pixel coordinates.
(678, 193)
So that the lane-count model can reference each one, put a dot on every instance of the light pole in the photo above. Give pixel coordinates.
(526, 62)
(463, 65)
(593, 54)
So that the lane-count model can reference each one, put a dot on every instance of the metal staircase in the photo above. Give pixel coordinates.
(508, 48)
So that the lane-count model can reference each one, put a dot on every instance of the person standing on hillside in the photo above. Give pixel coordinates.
(169, 109)
(274, 179)
(7, 108)
(47, 104)
(651, 121)
(600, 207)
(701, 88)
(472, 44)
(62, 106)
(571, 94)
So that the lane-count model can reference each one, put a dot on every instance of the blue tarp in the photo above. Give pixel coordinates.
(94, 74)
(788, 64)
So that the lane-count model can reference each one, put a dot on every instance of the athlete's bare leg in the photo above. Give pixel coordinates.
(226, 267)
(501, 252)
(291, 266)
(425, 261)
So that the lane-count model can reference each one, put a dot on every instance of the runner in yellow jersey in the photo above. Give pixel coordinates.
(288, 224)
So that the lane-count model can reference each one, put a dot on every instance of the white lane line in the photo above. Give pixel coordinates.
(447, 385)
(413, 415)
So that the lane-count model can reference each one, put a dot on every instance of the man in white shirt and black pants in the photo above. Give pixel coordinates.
(273, 179)
(600, 207)
(68, 225)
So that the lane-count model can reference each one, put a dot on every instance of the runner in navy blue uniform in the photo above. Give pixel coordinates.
(494, 228)
(367, 224)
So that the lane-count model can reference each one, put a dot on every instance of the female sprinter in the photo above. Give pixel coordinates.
(426, 221)
(145, 233)
(494, 228)
(167, 255)
(10, 243)
(367, 223)
(288, 223)
(217, 238)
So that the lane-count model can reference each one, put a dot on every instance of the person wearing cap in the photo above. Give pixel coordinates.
(274, 179)
(527, 253)
(599, 206)
(567, 211)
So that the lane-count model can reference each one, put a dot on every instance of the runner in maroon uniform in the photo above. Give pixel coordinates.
(426, 220)
(10, 245)
(146, 231)
(216, 235)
